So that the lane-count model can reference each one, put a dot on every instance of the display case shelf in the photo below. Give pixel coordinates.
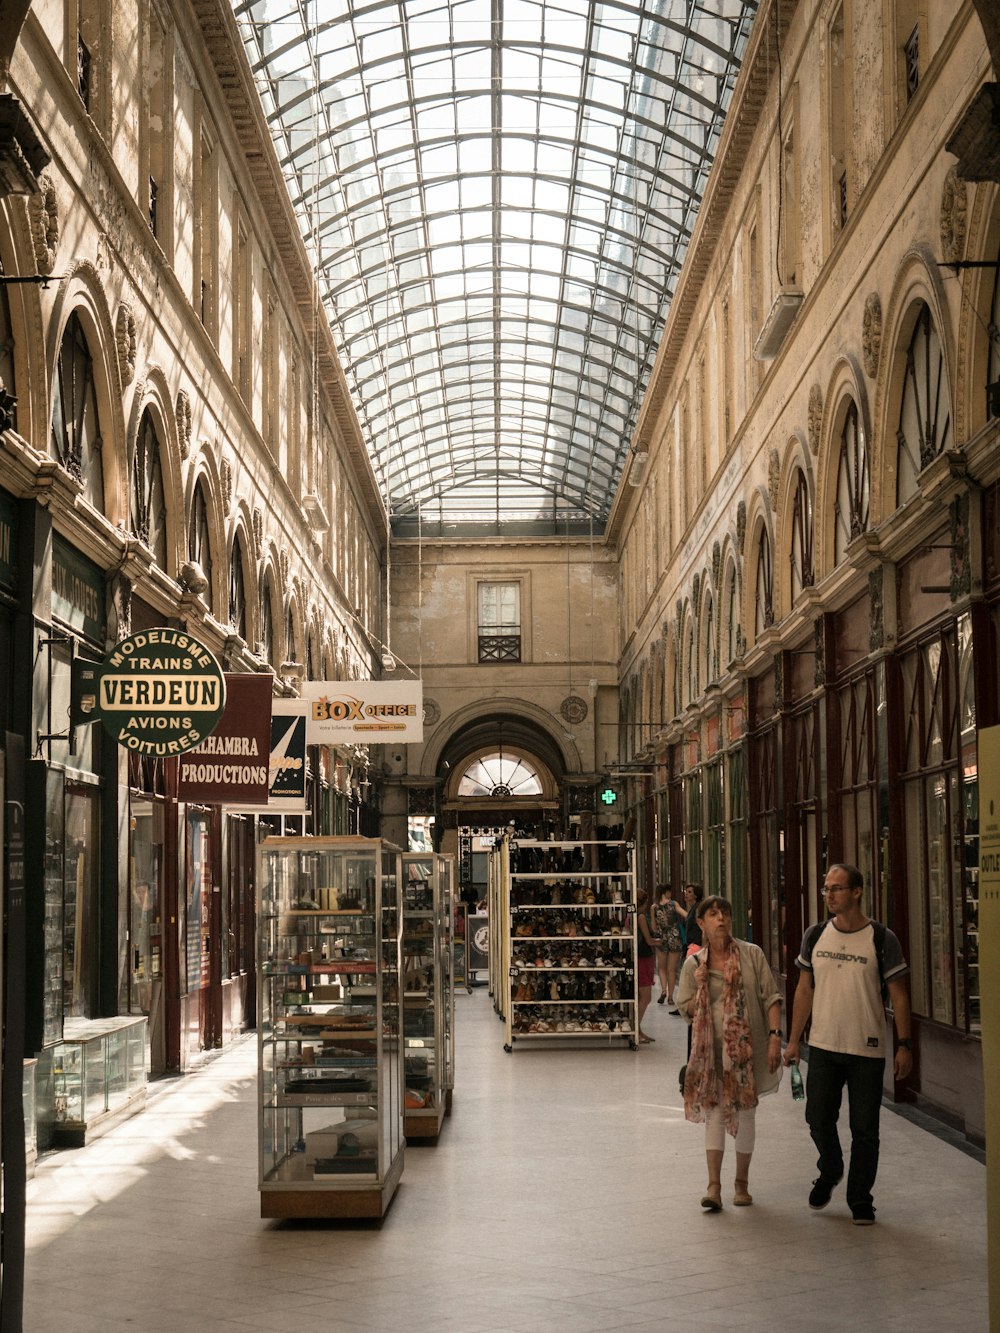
(428, 993)
(98, 1074)
(331, 1058)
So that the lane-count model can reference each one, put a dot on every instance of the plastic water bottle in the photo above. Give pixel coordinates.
(798, 1087)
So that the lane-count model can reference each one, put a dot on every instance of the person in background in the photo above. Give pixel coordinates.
(688, 912)
(670, 947)
(728, 994)
(645, 952)
(843, 964)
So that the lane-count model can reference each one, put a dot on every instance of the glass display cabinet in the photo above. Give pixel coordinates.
(98, 1077)
(329, 1026)
(428, 993)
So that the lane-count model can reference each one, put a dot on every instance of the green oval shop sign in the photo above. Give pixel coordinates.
(159, 692)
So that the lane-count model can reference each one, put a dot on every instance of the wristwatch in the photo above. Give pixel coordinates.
(906, 1043)
(774, 1032)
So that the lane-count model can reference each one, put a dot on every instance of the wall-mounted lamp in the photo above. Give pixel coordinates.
(388, 661)
(192, 578)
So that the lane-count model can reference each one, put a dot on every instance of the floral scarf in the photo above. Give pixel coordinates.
(701, 1084)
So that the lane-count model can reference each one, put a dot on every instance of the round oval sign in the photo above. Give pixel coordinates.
(160, 692)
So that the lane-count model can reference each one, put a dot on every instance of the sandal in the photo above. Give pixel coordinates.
(712, 1198)
(643, 1038)
(742, 1197)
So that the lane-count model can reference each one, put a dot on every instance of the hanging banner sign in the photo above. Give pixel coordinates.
(233, 764)
(287, 768)
(159, 693)
(364, 712)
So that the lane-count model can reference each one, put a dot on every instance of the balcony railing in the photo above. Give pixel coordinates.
(495, 646)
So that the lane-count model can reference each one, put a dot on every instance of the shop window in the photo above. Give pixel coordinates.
(764, 598)
(769, 932)
(237, 590)
(801, 554)
(736, 847)
(854, 776)
(148, 509)
(693, 869)
(72, 903)
(199, 540)
(196, 905)
(715, 828)
(925, 409)
(851, 506)
(499, 625)
(76, 441)
(142, 917)
(940, 806)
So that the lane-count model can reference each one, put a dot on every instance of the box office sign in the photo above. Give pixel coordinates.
(364, 712)
(157, 693)
(232, 766)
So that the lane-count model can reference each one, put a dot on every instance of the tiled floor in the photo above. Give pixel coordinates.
(562, 1196)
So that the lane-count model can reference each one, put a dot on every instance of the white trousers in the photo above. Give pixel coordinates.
(715, 1130)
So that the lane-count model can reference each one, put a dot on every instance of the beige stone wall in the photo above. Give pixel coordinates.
(569, 616)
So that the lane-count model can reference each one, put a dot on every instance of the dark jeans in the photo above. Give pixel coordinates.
(829, 1073)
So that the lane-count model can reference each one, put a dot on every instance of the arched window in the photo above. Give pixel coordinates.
(267, 624)
(925, 409)
(853, 485)
(801, 553)
(147, 506)
(732, 606)
(691, 663)
(290, 633)
(764, 614)
(8, 390)
(199, 541)
(76, 437)
(993, 361)
(499, 774)
(710, 646)
(237, 590)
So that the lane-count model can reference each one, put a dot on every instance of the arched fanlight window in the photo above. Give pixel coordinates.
(76, 437)
(267, 624)
(853, 485)
(691, 663)
(499, 774)
(764, 617)
(993, 360)
(710, 651)
(925, 409)
(290, 633)
(801, 553)
(199, 540)
(237, 590)
(8, 389)
(147, 505)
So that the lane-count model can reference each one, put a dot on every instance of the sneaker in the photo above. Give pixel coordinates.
(822, 1192)
(863, 1215)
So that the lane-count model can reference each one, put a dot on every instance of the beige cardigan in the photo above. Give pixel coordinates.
(761, 992)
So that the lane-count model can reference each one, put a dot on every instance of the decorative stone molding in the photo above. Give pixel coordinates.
(961, 567)
(284, 563)
(125, 341)
(741, 525)
(954, 210)
(43, 213)
(121, 602)
(820, 641)
(226, 480)
(779, 681)
(871, 334)
(716, 563)
(22, 157)
(573, 709)
(695, 590)
(432, 712)
(258, 527)
(815, 418)
(876, 611)
(421, 800)
(773, 477)
(183, 413)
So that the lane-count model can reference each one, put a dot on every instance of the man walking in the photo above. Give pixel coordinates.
(843, 963)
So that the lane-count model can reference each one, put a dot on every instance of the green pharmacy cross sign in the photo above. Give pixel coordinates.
(158, 693)
(609, 796)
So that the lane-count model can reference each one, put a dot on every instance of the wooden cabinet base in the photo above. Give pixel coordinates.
(372, 1201)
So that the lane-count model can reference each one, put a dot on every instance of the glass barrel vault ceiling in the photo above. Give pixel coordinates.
(497, 196)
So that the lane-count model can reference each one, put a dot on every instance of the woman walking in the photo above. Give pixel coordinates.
(728, 994)
(670, 947)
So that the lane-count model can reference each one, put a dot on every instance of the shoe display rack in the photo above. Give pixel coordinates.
(329, 1026)
(428, 992)
(568, 944)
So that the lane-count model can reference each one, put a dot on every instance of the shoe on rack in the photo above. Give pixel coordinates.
(863, 1214)
(822, 1192)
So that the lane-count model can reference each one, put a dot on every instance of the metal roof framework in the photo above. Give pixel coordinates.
(497, 196)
